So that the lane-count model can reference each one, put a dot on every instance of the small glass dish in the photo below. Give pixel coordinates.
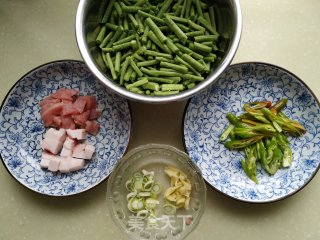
(155, 157)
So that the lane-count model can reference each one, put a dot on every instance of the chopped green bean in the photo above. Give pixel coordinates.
(166, 4)
(136, 90)
(131, 9)
(124, 69)
(165, 93)
(193, 78)
(128, 74)
(157, 54)
(116, 36)
(147, 63)
(140, 2)
(194, 63)
(124, 56)
(118, 9)
(189, 51)
(198, 7)
(183, 10)
(172, 87)
(191, 85)
(202, 47)
(151, 86)
(174, 28)
(135, 68)
(188, 8)
(138, 83)
(108, 11)
(194, 34)
(160, 80)
(163, 59)
(106, 39)
(147, 15)
(212, 18)
(140, 24)
(124, 40)
(196, 26)
(117, 62)
(177, 19)
(178, 68)
(178, 59)
(133, 76)
(111, 26)
(125, 23)
(157, 73)
(207, 25)
(183, 27)
(101, 35)
(120, 47)
(154, 38)
(111, 67)
(172, 46)
(156, 29)
(205, 38)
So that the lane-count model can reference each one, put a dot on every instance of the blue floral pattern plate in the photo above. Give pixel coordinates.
(21, 129)
(205, 120)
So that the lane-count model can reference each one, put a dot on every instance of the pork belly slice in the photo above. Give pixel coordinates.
(88, 151)
(79, 134)
(69, 143)
(75, 164)
(45, 159)
(65, 152)
(51, 145)
(59, 135)
(54, 163)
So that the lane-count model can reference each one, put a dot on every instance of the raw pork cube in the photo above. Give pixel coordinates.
(65, 152)
(80, 119)
(79, 134)
(80, 104)
(54, 164)
(88, 151)
(69, 109)
(59, 135)
(94, 114)
(51, 145)
(65, 94)
(78, 151)
(75, 164)
(92, 127)
(64, 166)
(48, 114)
(69, 143)
(67, 122)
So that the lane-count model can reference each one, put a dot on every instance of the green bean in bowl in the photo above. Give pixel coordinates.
(160, 48)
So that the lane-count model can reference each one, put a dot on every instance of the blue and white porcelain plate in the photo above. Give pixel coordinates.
(205, 120)
(21, 129)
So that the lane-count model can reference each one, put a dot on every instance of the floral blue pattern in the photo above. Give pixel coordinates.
(205, 119)
(21, 129)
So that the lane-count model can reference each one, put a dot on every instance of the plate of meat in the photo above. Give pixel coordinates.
(61, 130)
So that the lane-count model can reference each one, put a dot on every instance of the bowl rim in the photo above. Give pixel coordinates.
(243, 200)
(80, 38)
(2, 159)
(140, 148)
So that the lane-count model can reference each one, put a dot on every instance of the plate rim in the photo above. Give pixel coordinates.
(216, 189)
(91, 187)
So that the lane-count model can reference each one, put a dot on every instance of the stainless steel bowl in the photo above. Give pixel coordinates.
(88, 16)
